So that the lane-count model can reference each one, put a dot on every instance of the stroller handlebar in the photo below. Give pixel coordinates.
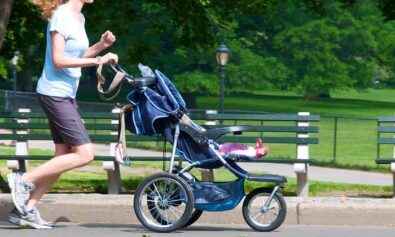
(135, 81)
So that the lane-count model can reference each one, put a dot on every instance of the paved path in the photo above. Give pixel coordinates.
(316, 173)
(120, 230)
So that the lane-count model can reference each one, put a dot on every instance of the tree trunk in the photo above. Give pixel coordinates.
(316, 95)
(311, 96)
(5, 12)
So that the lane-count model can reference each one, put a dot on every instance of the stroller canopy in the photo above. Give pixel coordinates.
(152, 104)
(153, 113)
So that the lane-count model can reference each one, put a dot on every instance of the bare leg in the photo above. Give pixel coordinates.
(45, 185)
(44, 175)
(249, 152)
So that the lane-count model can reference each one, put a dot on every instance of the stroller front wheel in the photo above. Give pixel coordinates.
(260, 218)
(163, 202)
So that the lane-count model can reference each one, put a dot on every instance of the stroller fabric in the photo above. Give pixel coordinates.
(219, 196)
(152, 104)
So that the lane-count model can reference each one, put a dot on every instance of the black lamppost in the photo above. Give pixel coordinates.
(222, 55)
(14, 62)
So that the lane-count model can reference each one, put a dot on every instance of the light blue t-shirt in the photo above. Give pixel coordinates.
(63, 82)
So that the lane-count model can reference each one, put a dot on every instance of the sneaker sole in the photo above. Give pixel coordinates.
(24, 223)
(11, 184)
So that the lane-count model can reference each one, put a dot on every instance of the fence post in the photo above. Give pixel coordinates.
(335, 140)
(302, 153)
(112, 167)
(21, 147)
(208, 174)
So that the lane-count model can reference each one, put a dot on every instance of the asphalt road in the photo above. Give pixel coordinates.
(114, 230)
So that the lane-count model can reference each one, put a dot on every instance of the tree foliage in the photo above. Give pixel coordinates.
(314, 46)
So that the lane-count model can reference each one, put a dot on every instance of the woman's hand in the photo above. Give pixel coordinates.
(109, 56)
(107, 39)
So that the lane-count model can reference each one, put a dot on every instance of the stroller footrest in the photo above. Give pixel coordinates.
(270, 178)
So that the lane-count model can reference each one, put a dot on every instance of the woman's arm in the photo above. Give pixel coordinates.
(60, 61)
(106, 40)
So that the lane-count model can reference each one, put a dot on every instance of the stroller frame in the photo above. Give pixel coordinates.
(278, 180)
(172, 190)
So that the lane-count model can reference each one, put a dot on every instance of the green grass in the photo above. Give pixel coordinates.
(288, 103)
(96, 182)
(356, 127)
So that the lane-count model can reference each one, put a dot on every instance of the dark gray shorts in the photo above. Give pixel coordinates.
(64, 120)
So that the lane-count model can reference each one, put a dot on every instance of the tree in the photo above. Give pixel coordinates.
(5, 12)
(25, 33)
(338, 50)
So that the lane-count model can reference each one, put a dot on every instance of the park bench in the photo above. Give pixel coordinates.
(102, 128)
(291, 129)
(385, 137)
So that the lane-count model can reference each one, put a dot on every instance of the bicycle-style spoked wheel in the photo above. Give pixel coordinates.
(163, 202)
(260, 218)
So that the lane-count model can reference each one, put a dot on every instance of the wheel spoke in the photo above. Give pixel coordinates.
(259, 213)
(176, 200)
(156, 190)
(171, 209)
(170, 195)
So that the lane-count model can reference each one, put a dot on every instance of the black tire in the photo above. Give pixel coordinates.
(194, 217)
(278, 207)
(154, 204)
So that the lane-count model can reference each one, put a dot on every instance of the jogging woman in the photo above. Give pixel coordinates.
(67, 50)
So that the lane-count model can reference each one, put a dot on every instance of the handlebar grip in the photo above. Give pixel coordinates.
(116, 68)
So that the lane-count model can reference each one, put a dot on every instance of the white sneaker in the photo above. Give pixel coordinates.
(30, 219)
(20, 191)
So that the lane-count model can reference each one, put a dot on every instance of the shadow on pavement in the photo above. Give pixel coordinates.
(141, 229)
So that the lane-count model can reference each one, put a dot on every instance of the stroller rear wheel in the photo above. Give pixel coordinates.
(163, 202)
(261, 218)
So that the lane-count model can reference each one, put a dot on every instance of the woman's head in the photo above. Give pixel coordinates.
(48, 6)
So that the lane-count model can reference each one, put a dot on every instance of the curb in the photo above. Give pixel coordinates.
(99, 208)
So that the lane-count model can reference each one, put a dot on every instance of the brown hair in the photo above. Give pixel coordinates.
(47, 7)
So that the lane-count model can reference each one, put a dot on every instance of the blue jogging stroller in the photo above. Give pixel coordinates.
(175, 198)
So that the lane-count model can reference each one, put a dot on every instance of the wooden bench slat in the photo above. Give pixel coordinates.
(130, 138)
(385, 160)
(386, 119)
(149, 158)
(104, 115)
(299, 129)
(85, 115)
(386, 140)
(109, 126)
(264, 117)
(386, 129)
(285, 140)
(89, 126)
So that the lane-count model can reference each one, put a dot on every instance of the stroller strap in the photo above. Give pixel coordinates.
(116, 82)
(121, 135)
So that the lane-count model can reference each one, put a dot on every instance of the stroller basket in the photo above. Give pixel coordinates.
(218, 196)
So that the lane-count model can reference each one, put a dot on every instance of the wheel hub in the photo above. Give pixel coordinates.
(163, 204)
